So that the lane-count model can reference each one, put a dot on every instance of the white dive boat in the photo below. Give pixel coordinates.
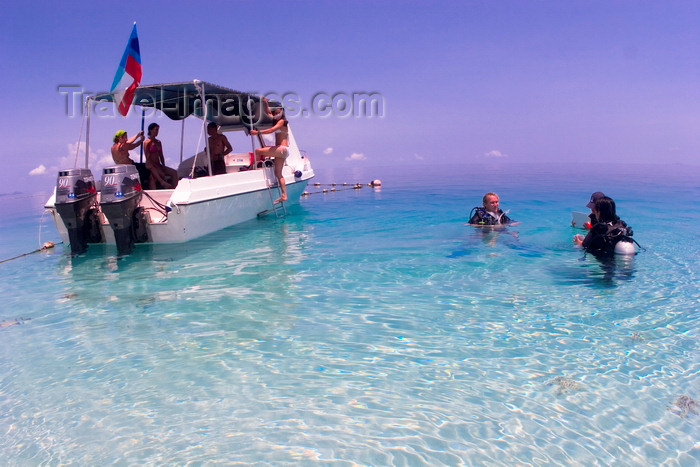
(118, 210)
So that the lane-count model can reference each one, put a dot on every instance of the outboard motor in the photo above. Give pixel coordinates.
(76, 204)
(121, 194)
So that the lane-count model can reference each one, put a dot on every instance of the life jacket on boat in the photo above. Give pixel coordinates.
(603, 237)
(479, 216)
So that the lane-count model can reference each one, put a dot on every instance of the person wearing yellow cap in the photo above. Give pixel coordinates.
(122, 146)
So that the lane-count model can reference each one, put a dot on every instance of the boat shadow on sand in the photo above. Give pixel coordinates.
(266, 236)
(230, 270)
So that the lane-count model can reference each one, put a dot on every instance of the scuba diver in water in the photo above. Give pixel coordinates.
(610, 235)
(607, 232)
(493, 225)
(489, 214)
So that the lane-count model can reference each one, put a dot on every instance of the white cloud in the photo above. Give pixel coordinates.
(418, 157)
(356, 156)
(38, 171)
(98, 159)
(328, 151)
(496, 154)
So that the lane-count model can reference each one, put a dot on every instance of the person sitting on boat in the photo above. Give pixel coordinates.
(122, 146)
(279, 151)
(218, 148)
(155, 161)
(608, 230)
(489, 214)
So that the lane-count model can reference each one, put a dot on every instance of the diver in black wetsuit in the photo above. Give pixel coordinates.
(607, 232)
(489, 213)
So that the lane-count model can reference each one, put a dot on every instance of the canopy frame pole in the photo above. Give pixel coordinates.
(252, 137)
(87, 133)
(182, 139)
(200, 88)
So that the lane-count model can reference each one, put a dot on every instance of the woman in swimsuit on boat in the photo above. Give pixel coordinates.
(155, 161)
(122, 145)
(279, 151)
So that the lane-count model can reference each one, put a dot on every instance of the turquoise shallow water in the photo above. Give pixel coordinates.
(369, 327)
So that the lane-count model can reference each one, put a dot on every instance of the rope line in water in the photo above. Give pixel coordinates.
(333, 189)
(45, 246)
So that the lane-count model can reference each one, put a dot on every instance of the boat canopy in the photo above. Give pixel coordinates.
(230, 109)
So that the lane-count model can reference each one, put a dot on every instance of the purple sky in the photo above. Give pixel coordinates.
(518, 81)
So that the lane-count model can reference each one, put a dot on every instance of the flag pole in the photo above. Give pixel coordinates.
(143, 118)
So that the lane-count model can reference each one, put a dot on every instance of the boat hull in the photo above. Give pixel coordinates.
(198, 207)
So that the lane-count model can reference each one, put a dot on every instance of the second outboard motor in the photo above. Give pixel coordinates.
(121, 194)
(76, 204)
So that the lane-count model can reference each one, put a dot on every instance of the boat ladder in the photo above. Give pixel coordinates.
(273, 188)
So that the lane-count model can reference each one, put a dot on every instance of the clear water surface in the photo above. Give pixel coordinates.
(369, 327)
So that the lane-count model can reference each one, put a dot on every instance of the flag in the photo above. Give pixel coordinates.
(128, 74)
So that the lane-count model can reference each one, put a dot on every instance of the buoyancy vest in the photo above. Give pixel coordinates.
(605, 235)
(479, 216)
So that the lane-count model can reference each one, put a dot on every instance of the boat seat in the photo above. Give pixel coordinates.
(144, 173)
(236, 161)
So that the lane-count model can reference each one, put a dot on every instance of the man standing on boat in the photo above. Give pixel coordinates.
(122, 146)
(218, 148)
